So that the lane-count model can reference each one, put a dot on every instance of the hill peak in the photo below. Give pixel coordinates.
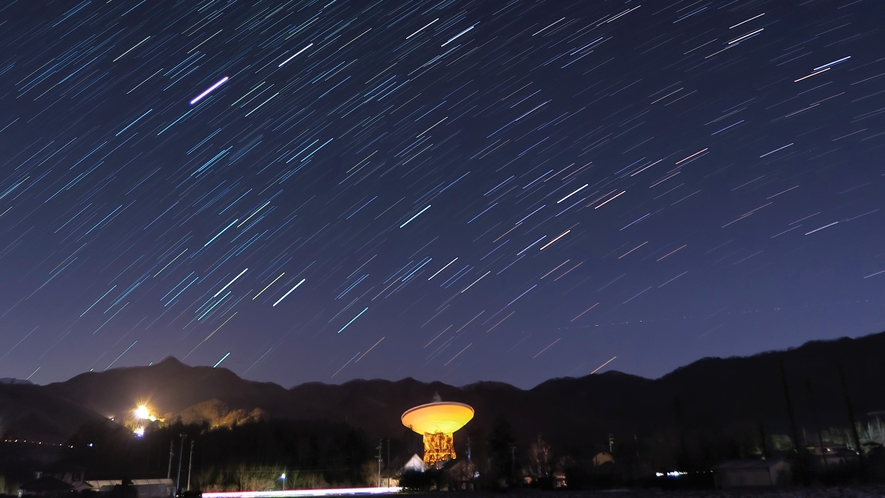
(170, 361)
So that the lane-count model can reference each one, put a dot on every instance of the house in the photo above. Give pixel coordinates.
(70, 476)
(753, 473)
(415, 464)
(47, 486)
(144, 488)
(461, 474)
(603, 457)
(832, 456)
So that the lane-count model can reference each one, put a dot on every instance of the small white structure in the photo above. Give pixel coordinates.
(415, 464)
(753, 473)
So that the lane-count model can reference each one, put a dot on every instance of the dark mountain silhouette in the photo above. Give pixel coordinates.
(168, 387)
(9, 380)
(708, 396)
(33, 413)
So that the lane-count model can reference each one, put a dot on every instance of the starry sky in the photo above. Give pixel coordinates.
(447, 190)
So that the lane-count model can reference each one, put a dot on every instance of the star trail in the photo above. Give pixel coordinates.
(447, 190)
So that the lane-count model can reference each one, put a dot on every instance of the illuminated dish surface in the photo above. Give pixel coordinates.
(445, 416)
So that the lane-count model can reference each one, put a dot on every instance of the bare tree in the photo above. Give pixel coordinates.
(540, 458)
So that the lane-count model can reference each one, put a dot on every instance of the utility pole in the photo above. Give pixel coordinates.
(853, 422)
(380, 441)
(680, 421)
(541, 456)
(801, 473)
(388, 462)
(762, 441)
(180, 454)
(790, 409)
(171, 452)
(638, 463)
(820, 439)
(190, 465)
(636, 444)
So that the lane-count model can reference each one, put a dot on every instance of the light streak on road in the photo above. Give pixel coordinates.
(293, 493)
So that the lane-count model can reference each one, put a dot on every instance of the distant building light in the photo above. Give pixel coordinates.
(672, 474)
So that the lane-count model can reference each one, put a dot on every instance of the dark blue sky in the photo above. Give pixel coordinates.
(446, 190)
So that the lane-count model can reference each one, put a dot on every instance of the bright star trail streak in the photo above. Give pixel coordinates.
(296, 54)
(441, 269)
(219, 233)
(600, 367)
(209, 90)
(563, 234)
(286, 294)
(232, 281)
(415, 216)
(222, 359)
(516, 172)
(353, 319)
(267, 286)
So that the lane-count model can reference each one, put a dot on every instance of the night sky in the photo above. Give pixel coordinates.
(447, 190)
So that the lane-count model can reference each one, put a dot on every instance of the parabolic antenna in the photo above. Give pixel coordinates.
(443, 416)
(437, 422)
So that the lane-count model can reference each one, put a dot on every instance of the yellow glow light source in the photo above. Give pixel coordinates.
(142, 412)
(437, 422)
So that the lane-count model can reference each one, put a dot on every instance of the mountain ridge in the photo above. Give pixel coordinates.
(707, 394)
